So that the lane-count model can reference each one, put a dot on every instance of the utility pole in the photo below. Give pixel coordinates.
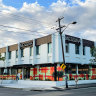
(60, 32)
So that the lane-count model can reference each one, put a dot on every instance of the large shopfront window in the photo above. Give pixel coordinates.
(13, 71)
(6, 71)
(83, 69)
(1, 71)
(71, 69)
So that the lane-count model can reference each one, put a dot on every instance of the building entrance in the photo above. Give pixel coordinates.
(26, 73)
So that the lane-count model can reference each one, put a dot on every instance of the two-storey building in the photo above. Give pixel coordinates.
(39, 58)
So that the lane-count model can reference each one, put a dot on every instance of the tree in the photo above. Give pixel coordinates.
(93, 53)
(2, 58)
(59, 74)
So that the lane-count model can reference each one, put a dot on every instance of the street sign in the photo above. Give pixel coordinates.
(63, 66)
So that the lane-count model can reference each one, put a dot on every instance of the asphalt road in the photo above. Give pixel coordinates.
(73, 92)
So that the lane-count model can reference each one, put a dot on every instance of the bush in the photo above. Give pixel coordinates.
(36, 79)
(59, 74)
(47, 79)
(71, 78)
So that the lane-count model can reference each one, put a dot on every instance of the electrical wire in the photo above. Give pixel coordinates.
(21, 33)
(31, 19)
(22, 29)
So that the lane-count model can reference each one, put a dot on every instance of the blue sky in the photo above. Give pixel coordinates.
(42, 20)
(18, 3)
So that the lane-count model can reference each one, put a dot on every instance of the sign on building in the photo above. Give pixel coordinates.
(63, 66)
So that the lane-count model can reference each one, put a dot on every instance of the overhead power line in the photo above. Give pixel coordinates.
(30, 19)
(22, 29)
(20, 32)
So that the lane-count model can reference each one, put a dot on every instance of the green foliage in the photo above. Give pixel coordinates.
(71, 78)
(38, 79)
(79, 79)
(59, 74)
(47, 80)
(93, 53)
(2, 58)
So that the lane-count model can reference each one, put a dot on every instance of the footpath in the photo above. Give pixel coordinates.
(76, 87)
(29, 85)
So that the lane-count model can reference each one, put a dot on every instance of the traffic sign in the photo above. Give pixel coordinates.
(63, 66)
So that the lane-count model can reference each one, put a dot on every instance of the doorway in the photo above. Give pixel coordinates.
(26, 73)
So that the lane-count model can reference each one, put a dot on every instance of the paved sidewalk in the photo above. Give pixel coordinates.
(29, 88)
(46, 85)
(74, 87)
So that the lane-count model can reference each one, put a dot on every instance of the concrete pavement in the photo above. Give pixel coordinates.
(38, 88)
(31, 85)
(91, 91)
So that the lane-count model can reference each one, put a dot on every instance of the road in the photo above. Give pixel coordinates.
(73, 92)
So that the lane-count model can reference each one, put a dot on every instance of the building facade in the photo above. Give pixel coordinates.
(40, 58)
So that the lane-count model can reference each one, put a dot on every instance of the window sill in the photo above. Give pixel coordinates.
(9, 59)
(22, 58)
(37, 56)
(16, 59)
(77, 54)
(49, 54)
(31, 57)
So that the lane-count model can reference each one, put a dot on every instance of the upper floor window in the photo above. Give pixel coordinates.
(92, 52)
(49, 47)
(38, 50)
(0, 55)
(16, 53)
(67, 47)
(22, 52)
(9, 54)
(76, 49)
(31, 51)
(83, 50)
(5, 54)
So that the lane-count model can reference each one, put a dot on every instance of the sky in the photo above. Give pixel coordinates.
(22, 20)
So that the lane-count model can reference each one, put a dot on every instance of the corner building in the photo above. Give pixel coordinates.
(39, 58)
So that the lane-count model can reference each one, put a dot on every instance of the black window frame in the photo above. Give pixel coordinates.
(84, 50)
(22, 52)
(38, 50)
(49, 48)
(77, 49)
(67, 47)
(10, 53)
(31, 51)
(16, 53)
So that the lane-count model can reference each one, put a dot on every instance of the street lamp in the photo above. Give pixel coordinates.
(60, 32)
(68, 25)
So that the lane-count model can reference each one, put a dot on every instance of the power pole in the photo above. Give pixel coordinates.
(60, 32)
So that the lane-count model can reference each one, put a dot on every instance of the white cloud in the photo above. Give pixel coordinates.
(59, 6)
(31, 8)
(89, 34)
(40, 19)
(0, 1)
